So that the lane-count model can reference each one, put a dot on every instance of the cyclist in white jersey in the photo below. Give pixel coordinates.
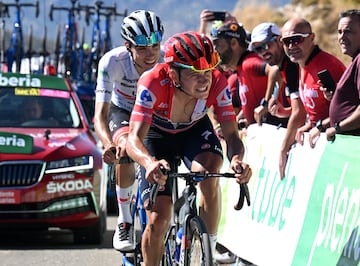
(118, 73)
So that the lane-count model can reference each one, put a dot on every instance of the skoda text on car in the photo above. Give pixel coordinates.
(50, 166)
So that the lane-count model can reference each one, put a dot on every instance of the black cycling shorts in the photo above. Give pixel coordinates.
(185, 145)
(118, 120)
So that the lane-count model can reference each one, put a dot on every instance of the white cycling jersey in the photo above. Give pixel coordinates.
(117, 78)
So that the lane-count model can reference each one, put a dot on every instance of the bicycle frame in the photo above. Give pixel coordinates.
(70, 43)
(15, 52)
(101, 41)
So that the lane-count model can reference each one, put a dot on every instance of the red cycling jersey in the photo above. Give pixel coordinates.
(252, 83)
(155, 92)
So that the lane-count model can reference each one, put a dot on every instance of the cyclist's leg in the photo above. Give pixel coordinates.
(161, 146)
(152, 243)
(125, 173)
(205, 153)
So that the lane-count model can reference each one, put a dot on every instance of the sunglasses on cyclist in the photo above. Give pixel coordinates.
(144, 40)
(295, 39)
(202, 65)
(264, 46)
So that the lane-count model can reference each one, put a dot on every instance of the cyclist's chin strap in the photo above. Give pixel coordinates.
(179, 87)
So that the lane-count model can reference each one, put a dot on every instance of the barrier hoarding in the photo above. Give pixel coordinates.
(311, 217)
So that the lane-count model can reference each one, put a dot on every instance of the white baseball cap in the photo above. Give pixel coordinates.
(263, 33)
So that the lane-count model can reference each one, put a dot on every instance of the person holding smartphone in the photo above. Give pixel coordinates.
(298, 41)
(344, 111)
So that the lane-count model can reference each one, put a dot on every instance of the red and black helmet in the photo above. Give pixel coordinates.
(191, 50)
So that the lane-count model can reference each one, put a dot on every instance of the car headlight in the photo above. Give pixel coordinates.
(78, 164)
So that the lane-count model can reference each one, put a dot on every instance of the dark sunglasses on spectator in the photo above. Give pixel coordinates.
(295, 39)
(263, 46)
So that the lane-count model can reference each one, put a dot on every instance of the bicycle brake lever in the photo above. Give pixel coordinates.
(154, 191)
(244, 193)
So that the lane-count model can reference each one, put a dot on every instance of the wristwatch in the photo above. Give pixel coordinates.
(319, 125)
(264, 103)
(337, 127)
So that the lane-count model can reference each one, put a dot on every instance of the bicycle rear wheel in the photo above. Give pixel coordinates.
(200, 251)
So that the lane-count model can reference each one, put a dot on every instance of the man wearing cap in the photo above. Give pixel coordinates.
(230, 40)
(265, 41)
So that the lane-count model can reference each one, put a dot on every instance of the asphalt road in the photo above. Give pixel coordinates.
(56, 248)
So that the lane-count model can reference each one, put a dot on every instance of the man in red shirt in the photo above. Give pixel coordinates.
(265, 40)
(170, 118)
(298, 42)
(230, 40)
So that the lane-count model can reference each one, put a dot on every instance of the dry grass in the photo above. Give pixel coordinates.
(322, 14)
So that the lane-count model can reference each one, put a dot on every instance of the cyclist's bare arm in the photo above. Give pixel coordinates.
(101, 124)
(235, 151)
(136, 149)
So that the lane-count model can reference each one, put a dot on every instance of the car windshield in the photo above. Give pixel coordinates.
(48, 109)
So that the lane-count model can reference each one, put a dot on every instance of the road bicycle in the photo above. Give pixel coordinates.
(195, 242)
(16, 52)
(67, 51)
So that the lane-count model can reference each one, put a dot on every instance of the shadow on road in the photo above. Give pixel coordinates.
(51, 239)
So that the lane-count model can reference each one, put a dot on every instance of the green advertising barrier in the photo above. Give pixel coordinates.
(330, 233)
(311, 217)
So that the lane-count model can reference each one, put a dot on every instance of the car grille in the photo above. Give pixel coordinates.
(20, 173)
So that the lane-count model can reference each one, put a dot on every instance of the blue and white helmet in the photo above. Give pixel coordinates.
(142, 28)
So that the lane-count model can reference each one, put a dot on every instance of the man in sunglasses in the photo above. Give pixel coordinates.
(230, 41)
(170, 119)
(282, 73)
(265, 40)
(298, 42)
(118, 73)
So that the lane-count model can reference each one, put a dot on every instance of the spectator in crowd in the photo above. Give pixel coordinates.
(298, 42)
(283, 75)
(230, 40)
(118, 72)
(265, 40)
(344, 107)
(207, 18)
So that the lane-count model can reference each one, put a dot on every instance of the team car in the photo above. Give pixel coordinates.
(51, 169)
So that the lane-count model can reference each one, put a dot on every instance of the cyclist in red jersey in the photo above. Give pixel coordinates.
(170, 118)
(298, 43)
(230, 40)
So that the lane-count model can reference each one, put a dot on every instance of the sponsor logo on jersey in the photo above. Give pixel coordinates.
(145, 97)
(224, 97)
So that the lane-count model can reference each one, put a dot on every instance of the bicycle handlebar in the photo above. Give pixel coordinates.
(194, 178)
(18, 6)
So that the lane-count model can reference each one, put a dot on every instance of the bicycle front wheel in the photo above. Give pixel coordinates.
(200, 251)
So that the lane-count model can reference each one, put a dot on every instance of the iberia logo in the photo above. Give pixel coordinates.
(15, 143)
